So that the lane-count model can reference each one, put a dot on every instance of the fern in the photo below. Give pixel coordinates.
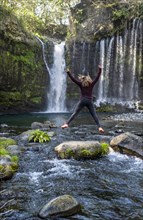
(39, 136)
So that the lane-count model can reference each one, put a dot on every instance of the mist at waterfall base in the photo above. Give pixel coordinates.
(108, 188)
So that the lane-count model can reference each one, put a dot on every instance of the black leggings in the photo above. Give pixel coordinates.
(81, 104)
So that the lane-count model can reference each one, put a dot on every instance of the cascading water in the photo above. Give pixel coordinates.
(119, 68)
(56, 94)
(121, 59)
(43, 51)
(57, 87)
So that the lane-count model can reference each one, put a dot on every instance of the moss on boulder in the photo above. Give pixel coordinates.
(5, 142)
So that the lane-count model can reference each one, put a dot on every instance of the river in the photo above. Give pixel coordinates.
(109, 188)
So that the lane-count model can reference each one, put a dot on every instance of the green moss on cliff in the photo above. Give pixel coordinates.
(23, 75)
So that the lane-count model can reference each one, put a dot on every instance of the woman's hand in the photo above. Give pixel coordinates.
(99, 66)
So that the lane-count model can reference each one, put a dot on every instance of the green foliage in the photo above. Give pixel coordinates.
(27, 59)
(69, 153)
(14, 159)
(105, 108)
(86, 153)
(36, 100)
(120, 14)
(34, 15)
(127, 11)
(39, 136)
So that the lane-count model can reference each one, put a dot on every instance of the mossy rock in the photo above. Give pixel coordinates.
(7, 171)
(9, 163)
(61, 206)
(8, 166)
(5, 142)
(81, 149)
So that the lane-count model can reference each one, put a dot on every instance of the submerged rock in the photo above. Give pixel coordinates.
(46, 125)
(128, 143)
(36, 125)
(81, 149)
(61, 206)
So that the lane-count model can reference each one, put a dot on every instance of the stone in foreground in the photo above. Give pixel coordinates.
(61, 206)
(81, 149)
(128, 143)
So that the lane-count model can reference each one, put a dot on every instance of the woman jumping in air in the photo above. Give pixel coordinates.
(86, 85)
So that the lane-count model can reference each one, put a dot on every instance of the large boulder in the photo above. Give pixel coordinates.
(81, 149)
(61, 206)
(128, 143)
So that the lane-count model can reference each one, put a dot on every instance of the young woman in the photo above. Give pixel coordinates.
(86, 85)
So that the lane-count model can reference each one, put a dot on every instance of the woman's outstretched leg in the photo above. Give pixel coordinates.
(76, 111)
(92, 111)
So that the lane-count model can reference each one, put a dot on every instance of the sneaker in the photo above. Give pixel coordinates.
(64, 126)
(101, 130)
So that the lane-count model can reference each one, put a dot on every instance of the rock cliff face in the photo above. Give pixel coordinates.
(91, 21)
(23, 78)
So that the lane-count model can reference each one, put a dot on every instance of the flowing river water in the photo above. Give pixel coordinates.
(109, 188)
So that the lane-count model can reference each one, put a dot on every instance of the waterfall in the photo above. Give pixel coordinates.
(102, 60)
(57, 90)
(141, 47)
(121, 66)
(121, 58)
(56, 94)
(106, 73)
(132, 60)
(43, 52)
(83, 67)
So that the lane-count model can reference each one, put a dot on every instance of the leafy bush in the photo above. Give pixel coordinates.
(39, 136)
